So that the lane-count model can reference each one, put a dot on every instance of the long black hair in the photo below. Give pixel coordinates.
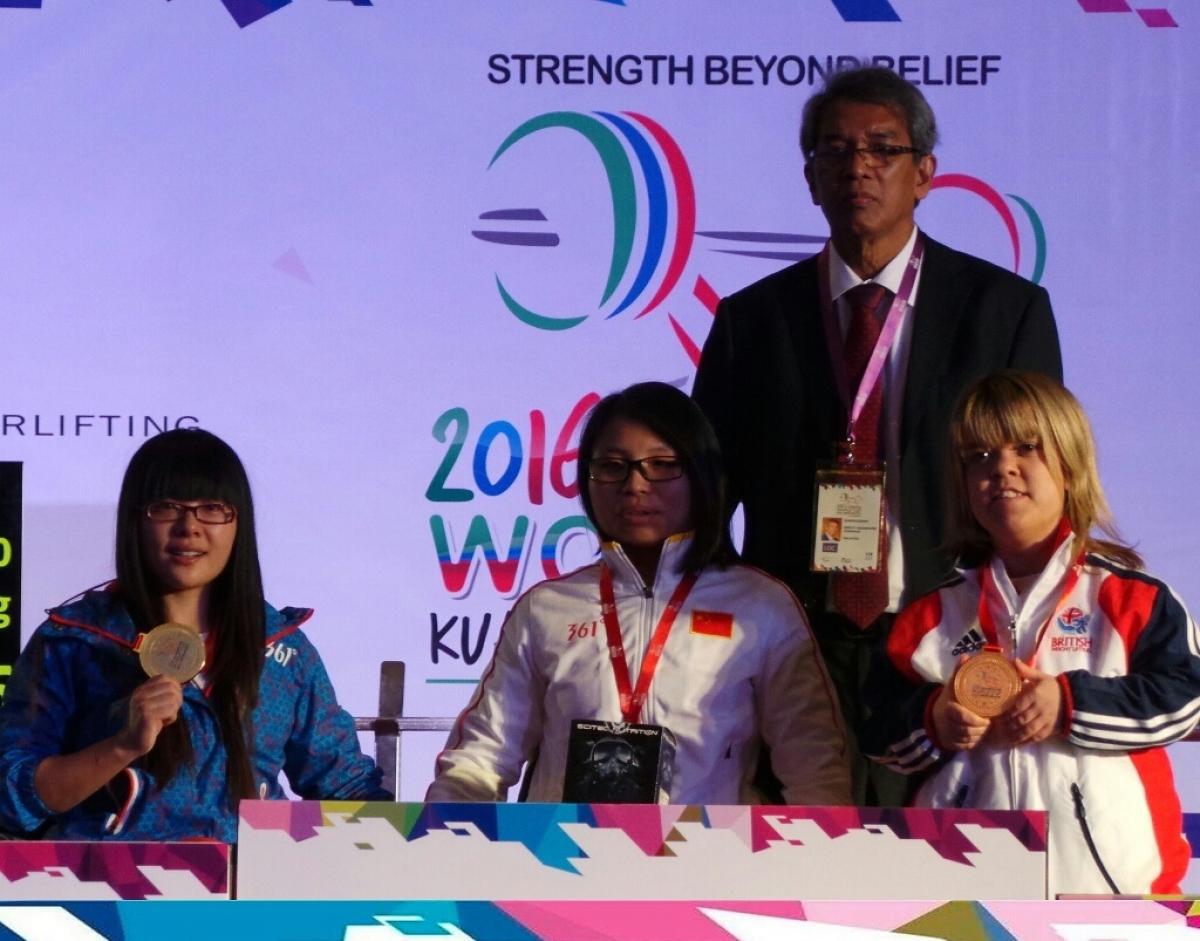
(191, 464)
(678, 421)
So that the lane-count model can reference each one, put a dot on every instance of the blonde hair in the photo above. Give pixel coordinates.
(1014, 407)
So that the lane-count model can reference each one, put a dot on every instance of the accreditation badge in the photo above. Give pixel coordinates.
(848, 518)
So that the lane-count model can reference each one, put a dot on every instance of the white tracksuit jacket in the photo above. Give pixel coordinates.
(715, 693)
(1127, 657)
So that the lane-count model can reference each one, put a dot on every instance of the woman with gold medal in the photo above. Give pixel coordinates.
(146, 709)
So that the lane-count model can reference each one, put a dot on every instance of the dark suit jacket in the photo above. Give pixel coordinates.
(766, 384)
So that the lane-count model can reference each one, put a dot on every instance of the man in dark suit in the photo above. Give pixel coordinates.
(769, 382)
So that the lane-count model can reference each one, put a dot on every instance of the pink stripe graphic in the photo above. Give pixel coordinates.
(689, 345)
(995, 200)
(1157, 17)
(706, 295)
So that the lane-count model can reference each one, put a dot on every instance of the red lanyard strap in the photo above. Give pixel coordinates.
(989, 591)
(632, 699)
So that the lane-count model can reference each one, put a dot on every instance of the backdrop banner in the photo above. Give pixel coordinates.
(393, 252)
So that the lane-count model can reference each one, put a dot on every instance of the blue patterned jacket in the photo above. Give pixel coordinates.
(70, 688)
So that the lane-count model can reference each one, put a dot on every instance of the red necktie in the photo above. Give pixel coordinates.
(863, 596)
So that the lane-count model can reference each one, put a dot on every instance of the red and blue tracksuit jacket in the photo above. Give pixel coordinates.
(1127, 657)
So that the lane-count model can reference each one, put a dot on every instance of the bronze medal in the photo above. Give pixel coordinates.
(173, 650)
(986, 683)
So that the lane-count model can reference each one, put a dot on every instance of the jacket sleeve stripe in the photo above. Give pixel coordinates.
(1188, 714)
(912, 754)
(1101, 735)
(1127, 742)
(1139, 743)
(916, 763)
(897, 750)
(1158, 701)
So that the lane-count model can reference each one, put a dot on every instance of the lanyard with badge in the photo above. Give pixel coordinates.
(848, 495)
(632, 698)
(625, 762)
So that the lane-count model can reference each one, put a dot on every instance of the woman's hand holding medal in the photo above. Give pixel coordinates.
(1037, 711)
(170, 654)
(152, 707)
(1030, 711)
(955, 726)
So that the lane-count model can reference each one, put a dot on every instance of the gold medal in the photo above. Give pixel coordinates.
(173, 650)
(986, 683)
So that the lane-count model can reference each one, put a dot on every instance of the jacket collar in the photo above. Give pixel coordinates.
(668, 571)
(99, 616)
(1045, 589)
(96, 615)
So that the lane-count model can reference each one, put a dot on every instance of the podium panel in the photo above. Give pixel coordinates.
(112, 871)
(315, 849)
(804, 920)
(384, 920)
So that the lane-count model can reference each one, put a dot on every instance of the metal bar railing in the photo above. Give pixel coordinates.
(395, 726)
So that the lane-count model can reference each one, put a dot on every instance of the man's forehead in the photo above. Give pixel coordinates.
(867, 119)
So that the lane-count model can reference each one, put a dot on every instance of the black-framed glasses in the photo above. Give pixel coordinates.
(168, 511)
(616, 470)
(874, 156)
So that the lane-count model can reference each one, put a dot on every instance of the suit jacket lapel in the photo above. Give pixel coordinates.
(936, 316)
(807, 327)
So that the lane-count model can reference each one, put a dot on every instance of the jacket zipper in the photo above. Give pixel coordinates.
(1014, 767)
(1081, 816)
(646, 630)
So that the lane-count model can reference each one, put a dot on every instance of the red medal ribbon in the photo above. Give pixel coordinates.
(988, 591)
(632, 699)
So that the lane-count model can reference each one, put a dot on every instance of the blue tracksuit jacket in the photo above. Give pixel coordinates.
(70, 688)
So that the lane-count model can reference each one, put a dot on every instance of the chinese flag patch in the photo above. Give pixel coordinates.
(712, 623)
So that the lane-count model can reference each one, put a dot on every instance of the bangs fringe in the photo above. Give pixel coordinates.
(995, 420)
(193, 474)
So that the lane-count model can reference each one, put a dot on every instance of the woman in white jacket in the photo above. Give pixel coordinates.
(685, 637)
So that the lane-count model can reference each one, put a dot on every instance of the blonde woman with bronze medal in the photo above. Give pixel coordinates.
(147, 708)
(1051, 674)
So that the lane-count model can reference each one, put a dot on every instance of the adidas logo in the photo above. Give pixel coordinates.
(971, 641)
